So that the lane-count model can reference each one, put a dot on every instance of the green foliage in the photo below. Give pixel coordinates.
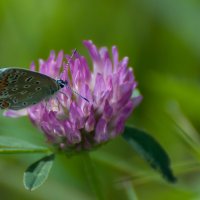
(14, 145)
(161, 38)
(148, 148)
(37, 173)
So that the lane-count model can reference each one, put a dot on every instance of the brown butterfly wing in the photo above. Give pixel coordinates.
(20, 88)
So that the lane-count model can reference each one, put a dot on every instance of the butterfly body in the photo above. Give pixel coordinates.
(20, 88)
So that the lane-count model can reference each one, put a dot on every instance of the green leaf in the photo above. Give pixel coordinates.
(147, 147)
(135, 93)
(14, 145)
(37, 173)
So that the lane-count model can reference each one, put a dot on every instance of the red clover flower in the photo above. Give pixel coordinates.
(70, 122)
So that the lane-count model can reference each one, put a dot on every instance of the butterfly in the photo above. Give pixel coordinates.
(20, 88)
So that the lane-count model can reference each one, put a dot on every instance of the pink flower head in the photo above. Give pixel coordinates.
(69, 121)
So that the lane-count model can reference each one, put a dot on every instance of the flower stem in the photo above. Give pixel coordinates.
(131, 195)
(92, 176)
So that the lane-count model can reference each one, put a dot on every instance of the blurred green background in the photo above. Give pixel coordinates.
(162, 40)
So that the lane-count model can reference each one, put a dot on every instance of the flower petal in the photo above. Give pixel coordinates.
(101, 131)
(108, 110)
(99, 87)
(115, 58)
(15, 113)
(92, 50)
(90, 123)
(76, 116)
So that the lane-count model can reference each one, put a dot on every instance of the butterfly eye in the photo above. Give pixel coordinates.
(14, 89)
(5, 89)
(37, 82)
(15, 101)
(27, 86)
(29, 79)
(16, 76)
(25, 103)
(4, 92)
(4, 104)
(38, 88)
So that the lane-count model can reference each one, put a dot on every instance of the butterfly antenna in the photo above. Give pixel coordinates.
(67, 64)
(75, 92)
(70, 58)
